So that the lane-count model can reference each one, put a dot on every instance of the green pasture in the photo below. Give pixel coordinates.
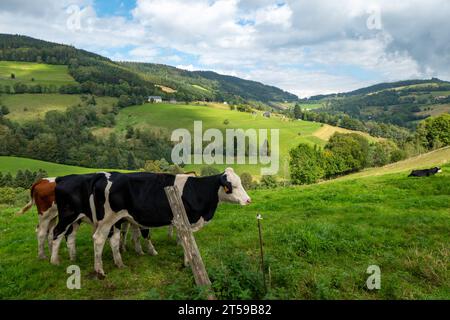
(168, 117)
(44, 74)
(319, 241)
(29, 106)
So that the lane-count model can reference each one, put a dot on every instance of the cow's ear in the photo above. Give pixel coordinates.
(226, 184)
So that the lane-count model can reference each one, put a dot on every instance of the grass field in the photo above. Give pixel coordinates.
(200, 87)
(436, 110)
(44, 74)
(319, 241)
(325, 133)
(162, 117)
(24, 107)
(14, 164)
(311, 106)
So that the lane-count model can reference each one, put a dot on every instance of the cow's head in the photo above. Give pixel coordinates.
(231, 189)
(438, 170)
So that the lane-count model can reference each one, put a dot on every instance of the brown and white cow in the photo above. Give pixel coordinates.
(43, 196)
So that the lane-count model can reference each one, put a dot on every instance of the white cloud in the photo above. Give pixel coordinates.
(189, 67)
(299, 45)
(144, 54)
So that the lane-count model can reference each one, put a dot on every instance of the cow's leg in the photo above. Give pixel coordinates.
(115, 246)
(147, 236)
(45, 219)
(71, 241)
(58, 234)
(123, 237)
(51, 227)
(135, 236)
(55, 247)
(100, 236)
(42, 231)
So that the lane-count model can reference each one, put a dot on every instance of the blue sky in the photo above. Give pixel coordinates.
(305, 47)
(105, 8)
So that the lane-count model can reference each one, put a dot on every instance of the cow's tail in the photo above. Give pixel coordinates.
(30, 203)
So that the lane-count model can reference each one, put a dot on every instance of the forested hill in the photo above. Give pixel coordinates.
(402, 103)
(426, 84)
(208, 85)
(101, 76)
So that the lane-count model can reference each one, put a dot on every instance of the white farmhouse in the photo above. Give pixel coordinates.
(154, 99)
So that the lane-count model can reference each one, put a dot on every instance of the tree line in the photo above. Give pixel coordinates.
(22, 179)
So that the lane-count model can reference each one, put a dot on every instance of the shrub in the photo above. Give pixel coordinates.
(306, 164)
(247, 180)
(434, 132)
(209, 171)
(4, 111)
(268, 182)
(237, 277)
(14, 196)
(351, 150)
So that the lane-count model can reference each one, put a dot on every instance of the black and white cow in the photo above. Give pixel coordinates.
(140, 199)
(74, 202)
(425, 172)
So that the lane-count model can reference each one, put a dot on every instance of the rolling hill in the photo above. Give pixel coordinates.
(433, 82)
(209, 85)
(101, 75)
(402, 103)
(161, 117)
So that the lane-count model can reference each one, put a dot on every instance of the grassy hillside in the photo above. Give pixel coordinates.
(168, 117)
(44, 74)
(326, 131)
(424, 161)
(30, 106)
(13, 164)
(319, 241)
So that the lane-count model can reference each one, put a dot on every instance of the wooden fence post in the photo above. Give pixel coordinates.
(191, 252)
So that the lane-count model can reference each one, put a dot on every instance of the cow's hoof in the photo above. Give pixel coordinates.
(120, 265)
(153, 252)
(100, 275)
(73, 258)
(42, 257)
(55, 262)
(140, 253)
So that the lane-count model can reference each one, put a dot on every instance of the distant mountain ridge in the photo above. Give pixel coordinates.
(379, 87)
(403, 103)
(106, 77)
(208, 84)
